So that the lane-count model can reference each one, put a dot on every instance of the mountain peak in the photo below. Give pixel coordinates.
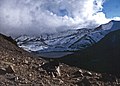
(116, 25)
(115, 21)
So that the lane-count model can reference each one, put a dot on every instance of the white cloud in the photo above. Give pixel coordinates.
(41, 16)
(115, 18)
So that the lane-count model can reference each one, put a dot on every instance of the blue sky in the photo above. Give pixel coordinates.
(112, 8)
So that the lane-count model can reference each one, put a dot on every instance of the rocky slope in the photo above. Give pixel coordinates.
(20, 68)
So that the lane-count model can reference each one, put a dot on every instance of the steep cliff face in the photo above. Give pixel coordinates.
(102, 56)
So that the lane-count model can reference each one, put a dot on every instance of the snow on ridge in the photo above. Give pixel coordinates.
(71, 40)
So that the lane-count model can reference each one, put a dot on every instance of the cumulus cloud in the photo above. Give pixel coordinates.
(115, 18)
(18, 17)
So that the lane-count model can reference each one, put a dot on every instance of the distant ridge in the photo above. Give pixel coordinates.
(66, 41)
(103, 56)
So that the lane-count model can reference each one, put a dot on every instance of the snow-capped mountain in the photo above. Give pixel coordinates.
(68, 41)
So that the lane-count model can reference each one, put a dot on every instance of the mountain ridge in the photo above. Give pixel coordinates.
(68, 41)
(102, 56)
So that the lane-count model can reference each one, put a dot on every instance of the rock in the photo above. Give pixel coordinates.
(80, 71)
(77, 74)
(51, 68)
(58, 71)
(87, 73)
(26, 61)
(10, 69)
(10, 76)
(30, 75)
(86, 82)
(2, 71)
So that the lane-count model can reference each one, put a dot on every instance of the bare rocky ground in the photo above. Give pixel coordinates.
(20, 68)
